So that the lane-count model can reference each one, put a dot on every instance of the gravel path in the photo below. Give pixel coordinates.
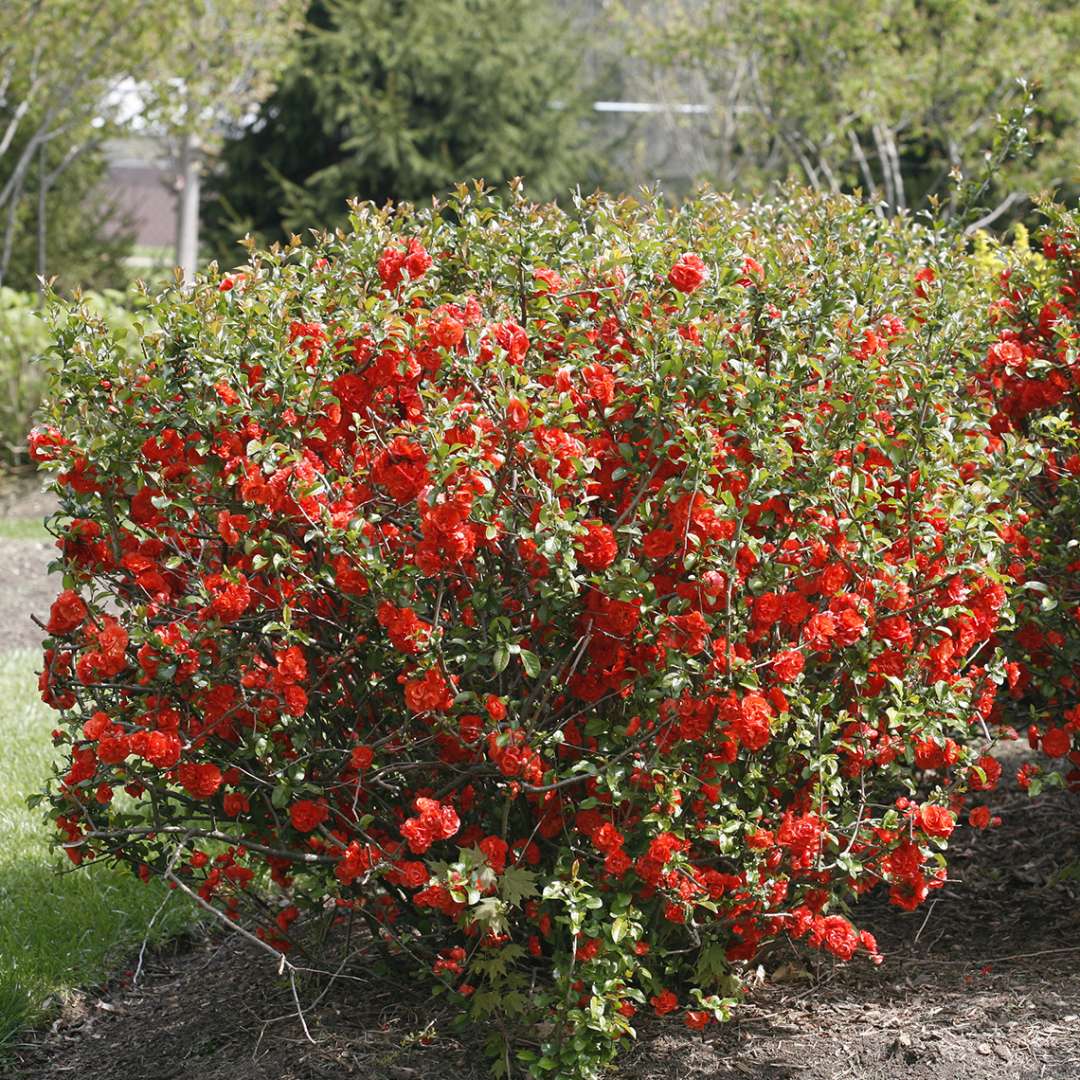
(26, 591)
(25, 587)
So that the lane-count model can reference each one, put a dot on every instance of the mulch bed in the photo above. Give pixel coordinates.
(983, 981)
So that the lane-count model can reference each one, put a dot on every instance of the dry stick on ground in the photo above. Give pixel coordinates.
(153, 918)
(1003, 959)
(299, 1009)
(283, 961)
(924, 922)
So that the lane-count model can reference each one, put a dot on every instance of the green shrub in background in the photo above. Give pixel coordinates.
(24, 337)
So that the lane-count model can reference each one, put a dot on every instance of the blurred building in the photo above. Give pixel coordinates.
(142, 181)
(657, 121)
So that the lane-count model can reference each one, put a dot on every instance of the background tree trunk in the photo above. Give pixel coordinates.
(42, 233)
(187, 208)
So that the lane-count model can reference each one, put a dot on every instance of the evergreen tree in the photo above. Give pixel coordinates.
(401, 99)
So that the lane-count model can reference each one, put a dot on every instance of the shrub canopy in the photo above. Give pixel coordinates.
(582, 601)
(1031, 374)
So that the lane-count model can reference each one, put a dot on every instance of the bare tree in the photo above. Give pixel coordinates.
(64, 63)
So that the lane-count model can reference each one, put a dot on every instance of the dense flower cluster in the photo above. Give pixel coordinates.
(1032, 373)
(582, 602)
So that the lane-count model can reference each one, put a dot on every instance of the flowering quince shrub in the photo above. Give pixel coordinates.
(580, 602)
(1032, 373)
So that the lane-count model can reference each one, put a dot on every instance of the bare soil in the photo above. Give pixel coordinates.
(983, 981)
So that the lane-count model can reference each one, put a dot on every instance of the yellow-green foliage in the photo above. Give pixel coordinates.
(990, 255)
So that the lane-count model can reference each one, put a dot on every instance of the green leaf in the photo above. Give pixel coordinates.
(517, 884)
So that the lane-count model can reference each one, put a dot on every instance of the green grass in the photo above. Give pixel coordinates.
(23, 528)
(56, 932)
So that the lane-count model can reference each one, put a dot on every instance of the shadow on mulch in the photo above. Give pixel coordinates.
(984, 980)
